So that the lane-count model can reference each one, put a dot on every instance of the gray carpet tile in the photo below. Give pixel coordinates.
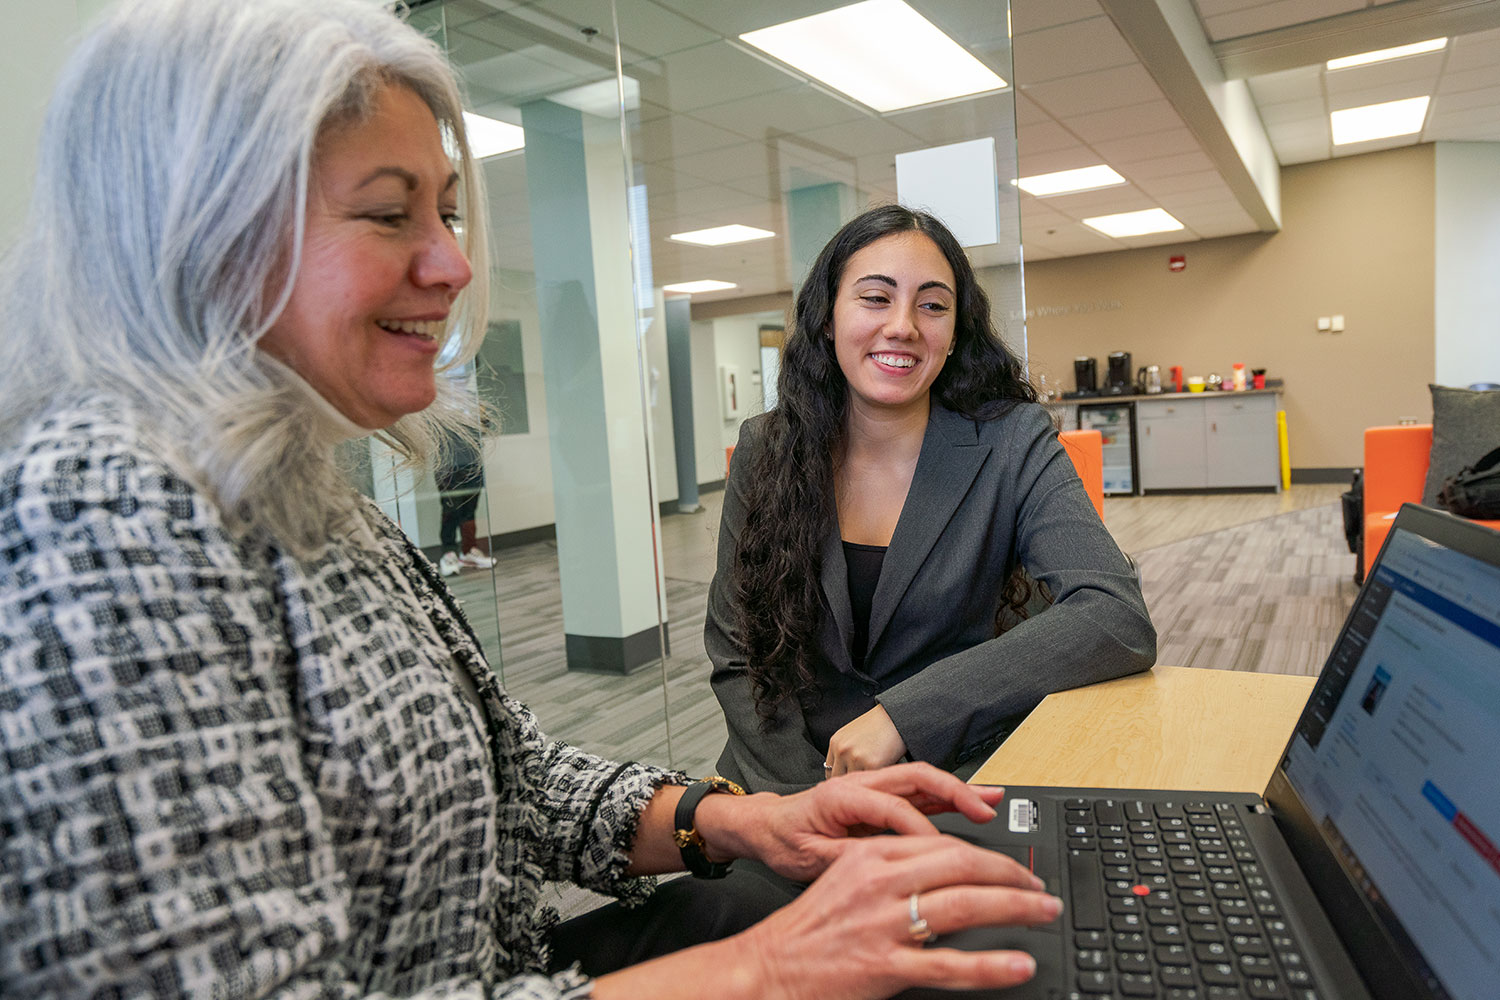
(1266, 596)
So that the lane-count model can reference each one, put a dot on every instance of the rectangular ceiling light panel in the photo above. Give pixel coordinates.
(1069, 181)
(706, 285)
(881, 53)
(720, 236)
(489, 137)
(1381, 55)
(1152, 220)
(1379, 121)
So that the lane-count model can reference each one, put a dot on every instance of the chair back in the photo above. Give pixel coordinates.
(1086, 449)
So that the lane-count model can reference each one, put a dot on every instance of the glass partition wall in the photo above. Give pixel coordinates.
(627, 345)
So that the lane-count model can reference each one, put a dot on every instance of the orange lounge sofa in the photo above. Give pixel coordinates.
(1396, 461)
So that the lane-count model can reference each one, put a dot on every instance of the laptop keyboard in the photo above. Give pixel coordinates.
(1169, 901)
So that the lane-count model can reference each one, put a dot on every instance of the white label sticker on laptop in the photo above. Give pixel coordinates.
(1023, 816)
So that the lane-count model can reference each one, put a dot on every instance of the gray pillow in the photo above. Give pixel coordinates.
(1465, 425)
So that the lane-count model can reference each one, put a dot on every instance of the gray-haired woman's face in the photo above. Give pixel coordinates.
(380, 265)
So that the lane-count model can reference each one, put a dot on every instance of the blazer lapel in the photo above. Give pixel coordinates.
(950, 459)
(834, 577)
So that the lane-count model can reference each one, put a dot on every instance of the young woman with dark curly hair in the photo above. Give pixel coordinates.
(875, 519)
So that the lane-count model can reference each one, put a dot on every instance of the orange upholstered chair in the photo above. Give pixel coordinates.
(1086, 449)
(1396, 461)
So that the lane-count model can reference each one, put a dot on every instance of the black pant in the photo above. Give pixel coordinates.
(681, 913)
(457, 508)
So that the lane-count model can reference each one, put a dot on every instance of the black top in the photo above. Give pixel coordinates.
(864, 563)
(842, 697)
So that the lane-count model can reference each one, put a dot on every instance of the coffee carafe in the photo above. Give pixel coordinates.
(1117, 381)
(1148, 379)
(1086, 375)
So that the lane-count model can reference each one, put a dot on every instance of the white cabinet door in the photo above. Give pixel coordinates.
(1171, 445)
(1241, 439)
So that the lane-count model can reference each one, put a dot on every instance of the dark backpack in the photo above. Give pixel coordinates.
(1475, 491)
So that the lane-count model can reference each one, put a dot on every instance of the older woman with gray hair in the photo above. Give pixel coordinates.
(250, 745)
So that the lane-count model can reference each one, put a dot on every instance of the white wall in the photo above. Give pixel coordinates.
(708, 427)
(737, 343)
(659, 404)
(1466, 286)
(518, 467)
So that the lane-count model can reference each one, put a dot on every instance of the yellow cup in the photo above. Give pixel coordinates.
(1194, 384)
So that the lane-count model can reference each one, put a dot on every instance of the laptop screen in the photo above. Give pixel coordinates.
(1397, 760)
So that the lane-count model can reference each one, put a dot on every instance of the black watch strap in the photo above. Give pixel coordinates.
(689, 840)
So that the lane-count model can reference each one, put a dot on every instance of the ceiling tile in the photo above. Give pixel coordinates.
(1201, 180)
(1477, 51)
(1070, 49)
(793, 111)
(1471, 79)
(861, 137)
(677, 135)
(1104, 201)
(1097, 91)
(1444, 104)
(1421, 70)
(1473, 125)
(1375, 145)
(992, 115)
(1028, 112)
(1033, 15)
(709, 74)
(1293, 111)
(1167, 166)
(645, 28)
(1147, 147)
(1289, 85)
(1068, 158)
(1138, 119)
(1045, 138)
(1270, 16)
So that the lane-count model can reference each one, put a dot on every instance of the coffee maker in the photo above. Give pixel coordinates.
(1118, 379)
(1085, 376)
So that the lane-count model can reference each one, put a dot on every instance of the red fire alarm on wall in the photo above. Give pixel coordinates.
(1178, 263)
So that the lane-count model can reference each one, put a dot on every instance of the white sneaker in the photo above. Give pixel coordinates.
(476, 559)
(449, 564)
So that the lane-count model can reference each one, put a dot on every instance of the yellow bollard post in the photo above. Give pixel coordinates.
(1286, 456)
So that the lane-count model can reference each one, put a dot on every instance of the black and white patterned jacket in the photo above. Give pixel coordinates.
(229, 772)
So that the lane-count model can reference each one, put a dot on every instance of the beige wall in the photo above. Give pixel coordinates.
(1357, 239)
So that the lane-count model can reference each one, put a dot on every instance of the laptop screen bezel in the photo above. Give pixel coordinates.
(1381, 960)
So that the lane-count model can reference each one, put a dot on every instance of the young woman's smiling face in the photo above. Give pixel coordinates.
(893, 321)
(380, 265)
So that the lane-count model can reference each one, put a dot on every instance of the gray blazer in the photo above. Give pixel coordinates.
(986, 496)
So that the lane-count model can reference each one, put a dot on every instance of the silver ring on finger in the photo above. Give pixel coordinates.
(918, 930)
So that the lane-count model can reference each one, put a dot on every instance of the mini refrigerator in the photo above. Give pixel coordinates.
(1115, 423)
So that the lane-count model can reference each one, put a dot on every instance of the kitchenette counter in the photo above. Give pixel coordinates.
(1209, 440)
(1139, 397)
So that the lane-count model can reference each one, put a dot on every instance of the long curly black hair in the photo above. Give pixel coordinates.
(789, 484)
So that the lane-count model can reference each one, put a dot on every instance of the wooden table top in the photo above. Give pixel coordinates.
(1184, 728)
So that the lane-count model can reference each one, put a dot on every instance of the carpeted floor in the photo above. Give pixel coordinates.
(1267, 596)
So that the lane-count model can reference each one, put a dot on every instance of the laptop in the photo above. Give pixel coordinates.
(1368, 870)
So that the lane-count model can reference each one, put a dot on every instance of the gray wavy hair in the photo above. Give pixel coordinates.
(168, 220)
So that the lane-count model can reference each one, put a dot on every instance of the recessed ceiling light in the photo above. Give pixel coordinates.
(1152, 220)
(706, 285)
(721, 235)
(1381, 55)
(1379, 121)
(880, 52)
(1068, 181)
(489, 137)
